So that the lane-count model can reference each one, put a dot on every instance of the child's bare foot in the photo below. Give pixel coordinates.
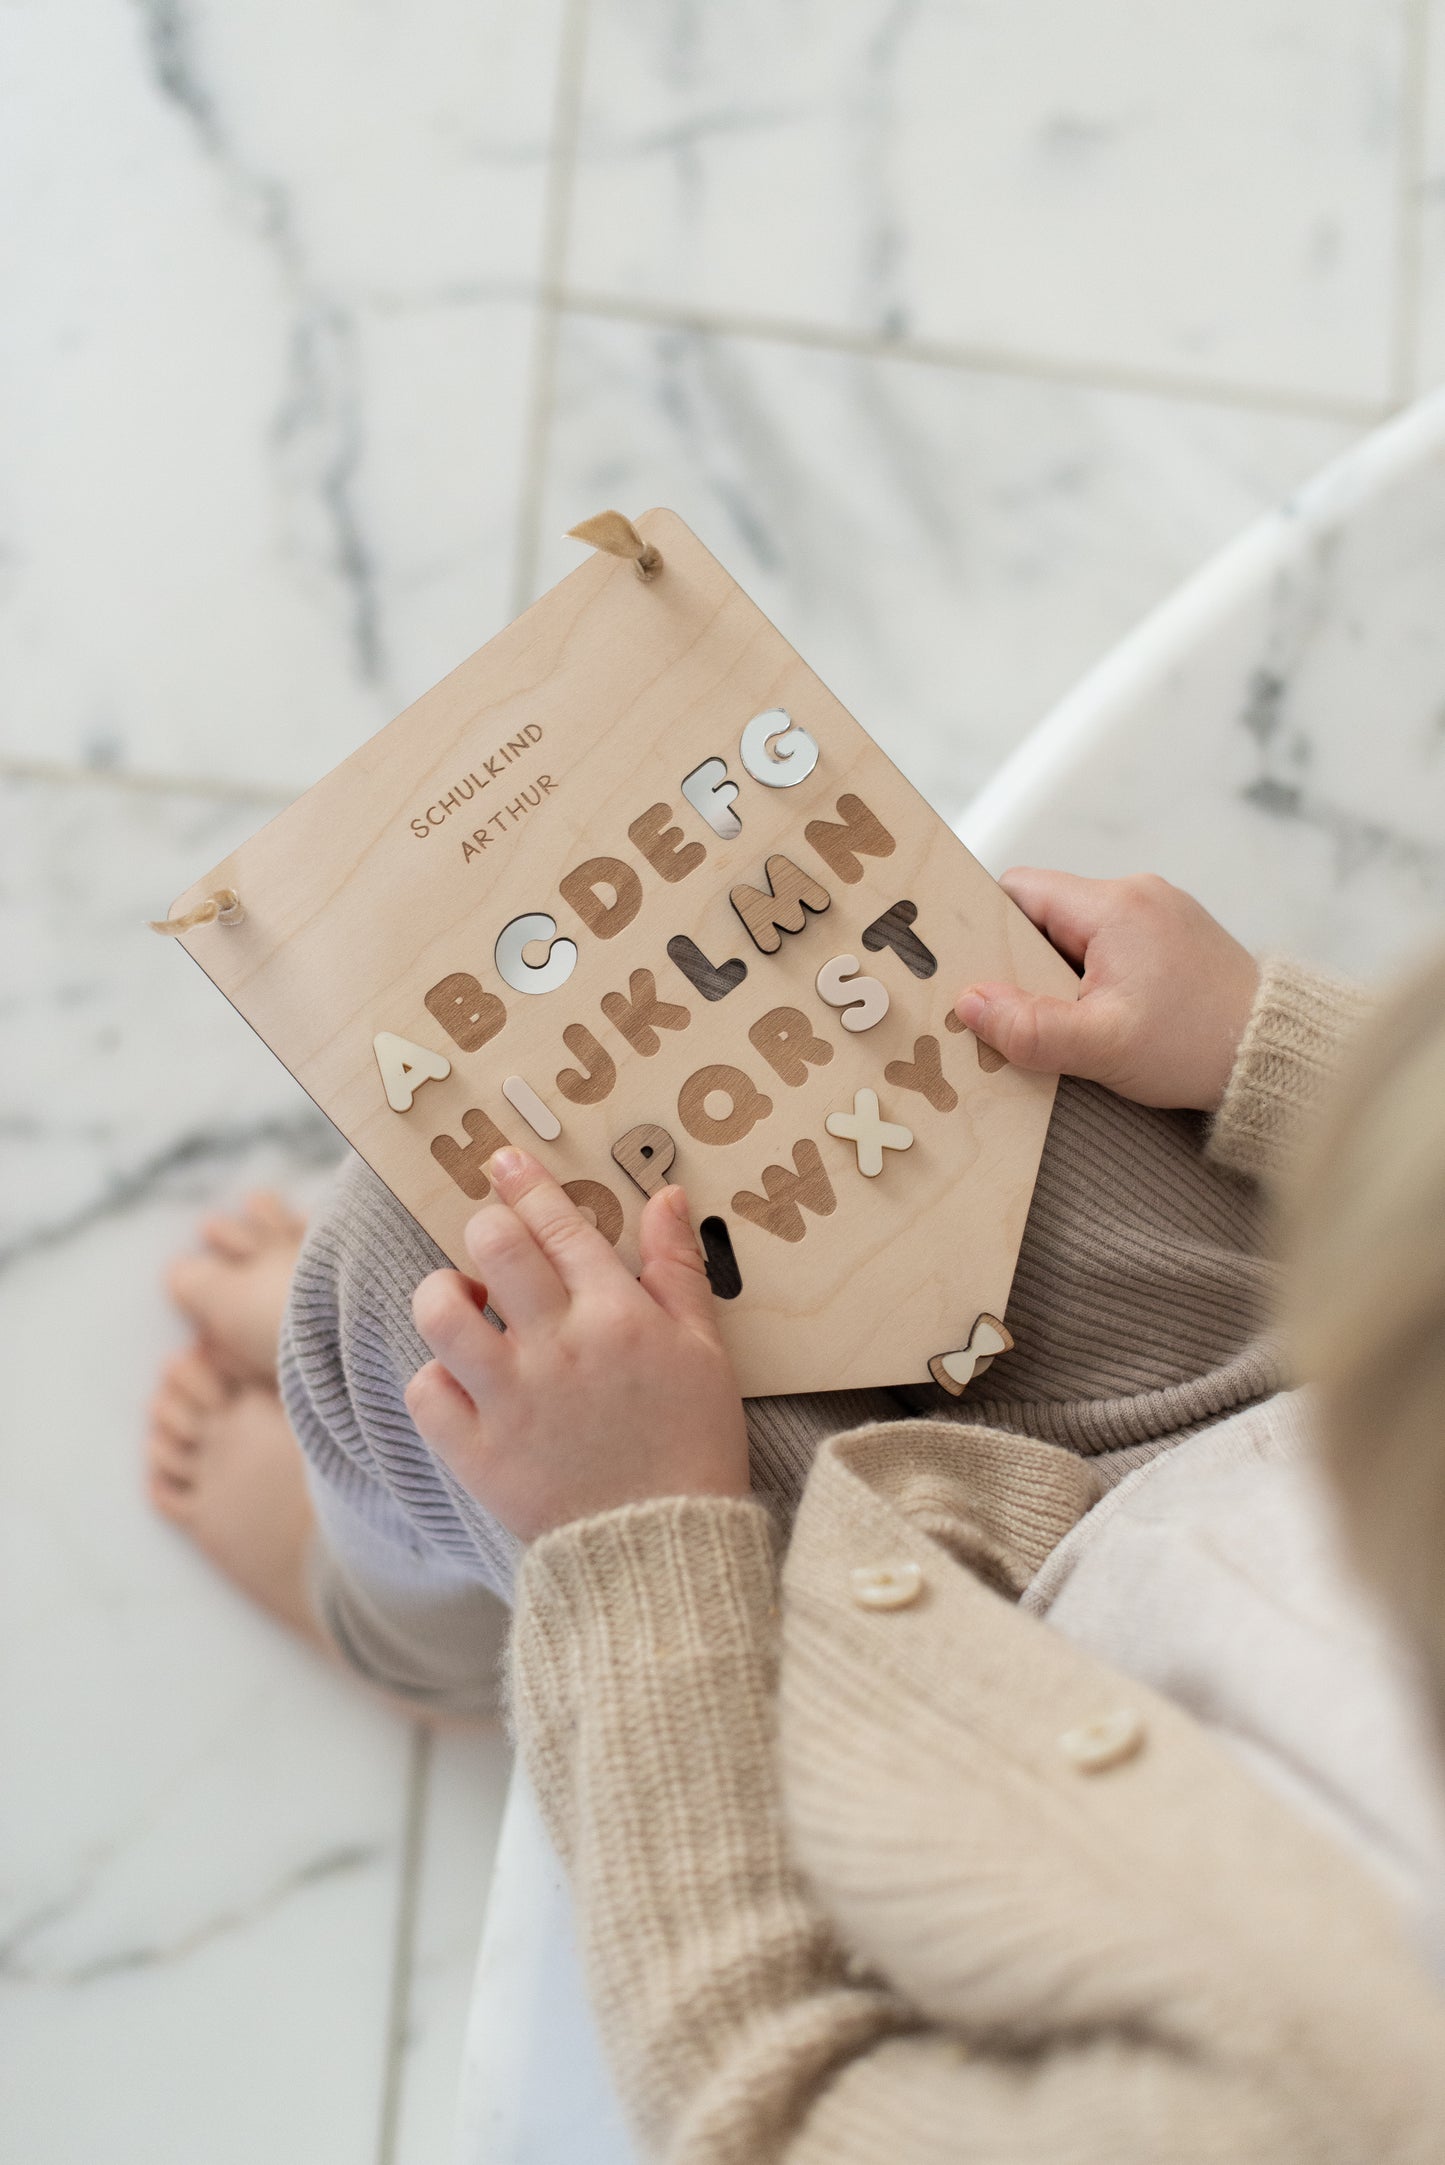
(223, 1465)
(235, 1292)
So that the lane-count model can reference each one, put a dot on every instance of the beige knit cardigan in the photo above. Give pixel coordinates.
(852, 1883)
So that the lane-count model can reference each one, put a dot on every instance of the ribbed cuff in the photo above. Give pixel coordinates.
(616, 1613)
(651, 1565)
(1290, 1048)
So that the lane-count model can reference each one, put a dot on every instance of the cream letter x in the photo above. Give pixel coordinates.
(869, 1135)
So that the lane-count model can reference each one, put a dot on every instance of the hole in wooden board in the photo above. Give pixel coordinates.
(714, 980)
(531, 934)
(723, 1274)
(710, 793)
(894, 929)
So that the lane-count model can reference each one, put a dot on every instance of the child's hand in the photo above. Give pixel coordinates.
(1165, 997)
(604, 1389)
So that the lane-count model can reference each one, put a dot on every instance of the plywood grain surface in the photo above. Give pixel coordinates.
(658, 983)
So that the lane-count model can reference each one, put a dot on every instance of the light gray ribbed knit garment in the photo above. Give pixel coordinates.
(1137, 1312)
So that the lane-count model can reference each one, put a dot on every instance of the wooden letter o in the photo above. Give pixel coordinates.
(606, 1211)
(747, 1105)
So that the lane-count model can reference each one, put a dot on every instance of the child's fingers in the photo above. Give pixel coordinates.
(444, 1415)
(576, 1251)
(521, 1283)
(1049, 1037)
(1067, 909)
(447, 1311)
(673, 1271)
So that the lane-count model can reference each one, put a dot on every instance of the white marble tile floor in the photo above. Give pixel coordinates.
(1074, 186)
(964, 333)
(466, 1787)
(949, 548)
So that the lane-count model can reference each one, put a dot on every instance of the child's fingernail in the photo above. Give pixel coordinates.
(678, 1199)
(506, 1166)
(968, 1007)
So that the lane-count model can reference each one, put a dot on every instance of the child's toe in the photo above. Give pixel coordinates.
(200, 1286)
(173, 1403)
(172, 1420)
(170, 1494)
(232, 1234)
(273, 1215)
(187, 1280)
(202, 1381)
(170, 1451)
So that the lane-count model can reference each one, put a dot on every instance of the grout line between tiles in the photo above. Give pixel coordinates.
(266, 794)
(1410, 205)
(980, 360)
(403, 1954)
(557, 218)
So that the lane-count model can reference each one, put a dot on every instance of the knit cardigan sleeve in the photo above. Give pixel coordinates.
(738, 2030)
(1291, 1046)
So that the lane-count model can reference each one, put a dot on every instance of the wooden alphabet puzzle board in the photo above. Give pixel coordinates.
(632, 889)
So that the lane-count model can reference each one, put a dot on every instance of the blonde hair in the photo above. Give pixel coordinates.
(1365, 1302)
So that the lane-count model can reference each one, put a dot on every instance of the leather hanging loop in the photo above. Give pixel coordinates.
(617, 536)
(222, 908)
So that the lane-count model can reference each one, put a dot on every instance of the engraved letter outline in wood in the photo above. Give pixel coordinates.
(924, 1073)
(606, 919)
(784, 1037)
(858, 833)
(599, 1204)
(640, 1012)
(990, 1059)
(466, 1162)
(470, 1015)
(786, 1195)
(746, 1104)
(666, 848)
(592, 1079)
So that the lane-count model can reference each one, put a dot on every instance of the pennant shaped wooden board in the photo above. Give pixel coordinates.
(606, 878)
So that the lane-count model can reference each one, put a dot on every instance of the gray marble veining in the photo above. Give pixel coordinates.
(1205, 194)
(316, 341)
(948, 549)
(1274, 739)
